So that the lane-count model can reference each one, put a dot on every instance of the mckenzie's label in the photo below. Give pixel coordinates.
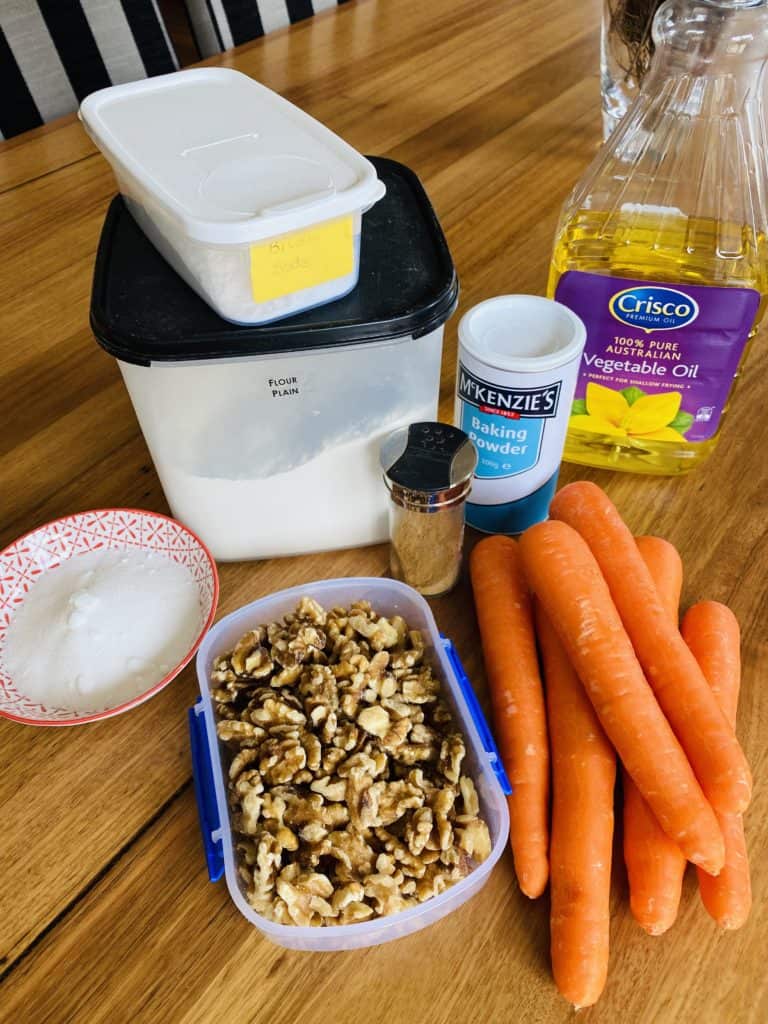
(659, 361)
(507, 420)
(514, 402)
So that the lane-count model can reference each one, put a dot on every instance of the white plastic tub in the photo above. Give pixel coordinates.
(482, 762)
(266, 439)
(254, 203)
(258, 474)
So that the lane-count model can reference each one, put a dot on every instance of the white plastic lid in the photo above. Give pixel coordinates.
(229, 159)
(523, 333)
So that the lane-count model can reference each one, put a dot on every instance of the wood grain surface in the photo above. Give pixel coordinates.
(107, 914)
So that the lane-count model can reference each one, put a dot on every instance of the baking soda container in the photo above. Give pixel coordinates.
(518, 362)
(254, 203)
(662, 249)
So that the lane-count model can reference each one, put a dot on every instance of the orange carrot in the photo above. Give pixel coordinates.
(583, 778)
(505, 617)
(655, 865)
(666, 569)
(712, 632)
(679, 684)
(563, 573)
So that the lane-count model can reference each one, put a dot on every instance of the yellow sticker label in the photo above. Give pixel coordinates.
(302, 259)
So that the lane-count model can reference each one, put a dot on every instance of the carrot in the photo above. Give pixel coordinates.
(712, 632)
(679, 684)
(666, 569)
(505, 618)
(583, 779)
(655, 865)
(563, 573)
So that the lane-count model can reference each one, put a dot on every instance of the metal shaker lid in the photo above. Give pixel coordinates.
(428, 465)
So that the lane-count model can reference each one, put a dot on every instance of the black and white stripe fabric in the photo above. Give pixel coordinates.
(221, 24)
(54, 52)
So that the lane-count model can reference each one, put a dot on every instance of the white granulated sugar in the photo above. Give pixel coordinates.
(102, 628)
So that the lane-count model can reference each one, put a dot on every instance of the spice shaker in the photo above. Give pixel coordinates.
(428, 471)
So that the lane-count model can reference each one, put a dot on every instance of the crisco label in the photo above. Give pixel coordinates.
(659, 362)
(653, 309)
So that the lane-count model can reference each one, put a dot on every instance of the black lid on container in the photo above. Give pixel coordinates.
(143, 312)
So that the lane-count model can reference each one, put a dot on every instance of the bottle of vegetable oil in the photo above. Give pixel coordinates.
(661, 248)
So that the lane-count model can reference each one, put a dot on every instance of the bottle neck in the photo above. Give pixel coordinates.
(711, 38)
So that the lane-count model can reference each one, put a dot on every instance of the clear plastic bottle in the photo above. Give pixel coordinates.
(662, 250)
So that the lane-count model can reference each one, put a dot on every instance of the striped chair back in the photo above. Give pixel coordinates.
(54, 52)
(221, 24)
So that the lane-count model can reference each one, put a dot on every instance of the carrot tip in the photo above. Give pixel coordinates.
(731, 924)
(532, 892)
(534, 878)
(578, 1007)
(658, 928)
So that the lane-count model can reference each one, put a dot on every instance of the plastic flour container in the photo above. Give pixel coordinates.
(266, 439)
(254, 203)
(208, 758)
(518, 362)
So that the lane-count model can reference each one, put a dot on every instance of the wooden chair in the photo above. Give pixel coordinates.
(54, 52)
(221, 24)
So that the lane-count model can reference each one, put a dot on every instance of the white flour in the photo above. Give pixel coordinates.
(102, 628)
(317, 495)
(279, 455)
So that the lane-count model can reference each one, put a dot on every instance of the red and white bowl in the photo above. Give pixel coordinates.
(48, 546)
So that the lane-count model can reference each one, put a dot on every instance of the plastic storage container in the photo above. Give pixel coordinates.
(253, 202)
(390, 598)
(266, 439)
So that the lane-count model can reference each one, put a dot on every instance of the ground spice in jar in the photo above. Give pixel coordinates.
(426, 548)
(428, 470)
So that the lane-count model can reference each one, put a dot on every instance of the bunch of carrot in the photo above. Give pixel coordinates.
(597, 609)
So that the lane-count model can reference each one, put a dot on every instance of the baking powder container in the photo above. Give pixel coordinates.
(518, 362)
(428, 471)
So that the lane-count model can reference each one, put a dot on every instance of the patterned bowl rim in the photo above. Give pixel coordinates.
(170, 676)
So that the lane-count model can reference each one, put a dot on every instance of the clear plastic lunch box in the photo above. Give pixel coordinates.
(483, 763)
(253, 202)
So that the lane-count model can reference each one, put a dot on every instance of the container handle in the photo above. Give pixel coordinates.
(202, 776)
(486, 736)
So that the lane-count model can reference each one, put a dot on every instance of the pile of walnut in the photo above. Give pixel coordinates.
(345, 785)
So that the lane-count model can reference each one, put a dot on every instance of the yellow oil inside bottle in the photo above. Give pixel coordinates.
(670, 249)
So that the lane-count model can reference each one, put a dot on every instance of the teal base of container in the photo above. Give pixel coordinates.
(512, 516)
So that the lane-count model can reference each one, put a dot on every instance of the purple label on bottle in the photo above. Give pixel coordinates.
(660, 359)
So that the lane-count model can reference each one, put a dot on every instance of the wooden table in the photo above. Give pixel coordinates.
(107, 914)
